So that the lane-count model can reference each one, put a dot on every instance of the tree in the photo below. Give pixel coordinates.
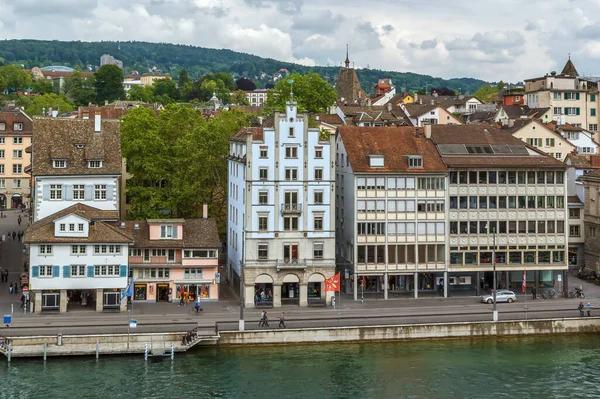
(501, 85)
(239, 98)
(41, 104)
(487, 93)
(312, 93)
(14, 78)
(141, 93)
(443, 91)
(166, 87)
(183, 78)
(109, 83)
(79, 89)
(245, 84)
(42, 86)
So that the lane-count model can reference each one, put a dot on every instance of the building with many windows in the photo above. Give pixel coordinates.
(75, 161)
(281, 235)
(16, 129)
(591, 219)
(505, 199)
(391, 210)
(171, 258)
(78, 258)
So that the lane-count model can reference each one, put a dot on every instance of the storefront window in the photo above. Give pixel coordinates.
(139, 292)
(314, 290)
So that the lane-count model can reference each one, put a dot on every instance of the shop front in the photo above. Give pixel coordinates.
(81, 299)
(192, 290)
(51, 300)
(316, 290)
(111, 298)
(16, 201)
(153, 292)
(290, 290)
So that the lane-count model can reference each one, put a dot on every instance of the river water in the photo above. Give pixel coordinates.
(531, 367)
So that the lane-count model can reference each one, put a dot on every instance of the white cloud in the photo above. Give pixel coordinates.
(506, 40)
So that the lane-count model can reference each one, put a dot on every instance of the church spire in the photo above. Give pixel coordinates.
(347, 59)
(569, 68)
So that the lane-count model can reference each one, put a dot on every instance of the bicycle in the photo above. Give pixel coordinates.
(193, 312)
(551, 294)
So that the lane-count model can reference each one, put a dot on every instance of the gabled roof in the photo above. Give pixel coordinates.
(521, 123)
(332, 119)
(197, 233)
(240, 136)
(394, 144)
(101, 230)
(375, 113)
(416, 110)
(569, 69)
(579, 161)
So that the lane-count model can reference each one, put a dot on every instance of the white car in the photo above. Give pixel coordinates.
(501, 296)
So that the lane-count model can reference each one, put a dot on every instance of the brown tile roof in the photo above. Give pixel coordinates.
(481, 135)
(573, 199)
(569, 69)
(348, 86)
(394, 143)
(580, 161)
(332, 119)
(418, 109)
(594, 174)
(375, 113)
(569, 128)
(197, 233)
(56, 138)
(240, 137)
(102, 230)
(12, 115)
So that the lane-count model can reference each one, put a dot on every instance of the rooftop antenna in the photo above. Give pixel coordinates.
(291, 82)
(347, 62)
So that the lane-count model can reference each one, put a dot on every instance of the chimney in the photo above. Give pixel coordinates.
(416, 97)
(511, 123)
(260, 120)
(388, 106)
(205, 211)
(461, 96)
(595, 160)
(504, 121)
(435, 94)
(97, 123)
(105, 102)
(420, 101)
(433, 101)
(317, 117)
(428, 131)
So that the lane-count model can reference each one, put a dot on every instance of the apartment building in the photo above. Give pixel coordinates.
(257, 97)
(390, 211)
(75, 161)
(507, 199)
(78, 260)
(16, 129)
(591, 219)
(281, 237)
(544, 138)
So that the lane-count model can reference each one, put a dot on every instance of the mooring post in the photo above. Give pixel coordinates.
(45, 347)
(97, 349)
(172, 351)
(146, 352)
(9, 350)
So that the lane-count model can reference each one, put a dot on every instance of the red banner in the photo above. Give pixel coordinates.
(524, 280)
(333, 283)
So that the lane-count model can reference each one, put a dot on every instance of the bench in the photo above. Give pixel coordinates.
(317, 302)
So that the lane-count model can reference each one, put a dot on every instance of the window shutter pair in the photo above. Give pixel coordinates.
(577, 111)
(110, 188)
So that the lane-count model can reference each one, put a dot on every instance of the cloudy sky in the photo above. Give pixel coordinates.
(489, 39)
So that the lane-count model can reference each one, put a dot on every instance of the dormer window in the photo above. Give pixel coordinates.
(96, 164)
(415, 161)
(168, 231)
(17, 126)
(375, 161)
(2, 126)
(59, 163)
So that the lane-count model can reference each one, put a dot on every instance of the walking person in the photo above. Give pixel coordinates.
(19, 220)
(533, 292)
(263, 314)
(22, 300)
(1, 275)
(588, 308)
(16, 288)
(14, 234)
(580, 307)
(266, 321)
(282, 320)
(10, 291)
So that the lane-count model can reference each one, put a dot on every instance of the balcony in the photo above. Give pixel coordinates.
(291, 264)
(291, 208)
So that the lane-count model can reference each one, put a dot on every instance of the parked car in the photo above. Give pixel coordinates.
(501, 296)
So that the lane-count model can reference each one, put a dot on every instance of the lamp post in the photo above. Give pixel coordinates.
(242, 293)
(494, 309)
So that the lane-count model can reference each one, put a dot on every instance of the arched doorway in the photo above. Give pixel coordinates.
(2, 201)
(290, 290)
(316, 288)
(16, 201)
(263, 290)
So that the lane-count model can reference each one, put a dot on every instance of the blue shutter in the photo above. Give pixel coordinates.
(67, 271)
(55, 271)
(175, 231)
(89, 192)
(45, 192)
(110, 188)
(123, 271)
(68, 192)
(90, 272)
(35, 271)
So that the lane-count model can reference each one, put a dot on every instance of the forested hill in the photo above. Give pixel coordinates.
(170, 58)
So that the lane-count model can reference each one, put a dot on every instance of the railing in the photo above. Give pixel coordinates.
(291, 208)
(291, 264)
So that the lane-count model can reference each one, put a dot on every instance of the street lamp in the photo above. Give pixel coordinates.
(494, 309)
(242, 293)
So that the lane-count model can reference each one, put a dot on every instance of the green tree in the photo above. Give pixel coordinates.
(239, 98)
(312, 93)
(14, 78)
(42, 86)
(109, 83)
(141, 93)
(183, 78)
(43, 103)
(79, 89)
(166, 87)
(487, 93)
(501, 85)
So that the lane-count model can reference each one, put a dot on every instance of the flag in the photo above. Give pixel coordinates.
(128, 291)
(524, 280)
(333, 283)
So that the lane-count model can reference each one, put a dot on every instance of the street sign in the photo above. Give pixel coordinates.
(7, 320)
(347, 274)
(217, 278)
(560, 277)
(25, 289)
(132, 323)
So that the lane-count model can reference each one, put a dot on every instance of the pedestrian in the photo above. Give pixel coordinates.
(266, 321)
(19, 220)
(442, 287)
(16, 288)
(22, 300)
(14, 234)
(588, 308)
(262, 318)
(1, 275)
(10, 290)
(282, 320)
(533, 292)
(580, 307)
(181, 302)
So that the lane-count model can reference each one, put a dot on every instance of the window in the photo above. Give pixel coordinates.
(71, 227)
(78, 249)
(318, 222)
(593, 127)
(135, 252)
(264, 152)
(318, 197)
(94, 164)
(574, 231)
(572, 111)
(318, 173)
(291, 152)
(592, 98)
(106, 271)
(319, 153)
(549, 142)
(592, 232)
(571, 96)
(59, 163)
(318, 250)
(558, 155)
(17, 169)
(557, 110)
(17, 126)
(263, 251)
(16, 183)
(291, 132)
(171, 255)
(100, 191)
(415, 162)
(80, 227)
(56, 191)
(290, 223)
(291, 174)
(2, 126)
(290, 252)
(199, 254)
(192, 273)
(17, 154)
(45, 271)
(157, 252)
(45, 250)
(77, 270)
(557, 96)
(263, 197)
(168, 231)
(78, 191)
(263, 222)
(430, 183)
(574, 213)
(17, 140)
(263, 173)
(592, 111)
